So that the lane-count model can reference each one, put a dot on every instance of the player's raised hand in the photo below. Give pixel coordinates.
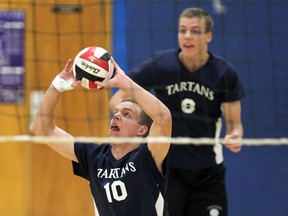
(118, 81)
(66, 80)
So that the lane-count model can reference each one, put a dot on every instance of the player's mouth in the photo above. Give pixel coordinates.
(188, 46)
(114, 127)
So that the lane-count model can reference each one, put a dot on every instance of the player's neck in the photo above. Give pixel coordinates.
(194, 63)
(120, 150)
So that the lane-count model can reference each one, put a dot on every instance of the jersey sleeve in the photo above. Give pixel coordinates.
(232, 87)
(152, 164)
(82, 152)
(143, 73)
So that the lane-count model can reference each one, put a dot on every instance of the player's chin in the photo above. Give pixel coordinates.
(113, 133)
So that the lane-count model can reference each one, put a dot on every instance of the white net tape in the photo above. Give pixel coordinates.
(178, 140)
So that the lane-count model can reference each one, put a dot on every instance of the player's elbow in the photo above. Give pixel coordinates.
(40, 128)
(166, 118)
(169, 117)
(36, 129)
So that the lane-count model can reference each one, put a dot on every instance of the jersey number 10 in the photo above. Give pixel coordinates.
(116, 190)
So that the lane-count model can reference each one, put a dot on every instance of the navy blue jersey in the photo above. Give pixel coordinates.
(194, 100)
(130, 186)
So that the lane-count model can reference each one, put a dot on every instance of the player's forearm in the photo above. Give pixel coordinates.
(44, 118)
(235, 128)
(116, 99)
(152, 106)
(232, 114)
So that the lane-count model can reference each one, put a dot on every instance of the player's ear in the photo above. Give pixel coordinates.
(142, 130)
(209, 37)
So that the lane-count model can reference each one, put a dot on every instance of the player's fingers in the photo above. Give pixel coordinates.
(232, 139)
(236, 150)
(76, 84)
(68, 65)
(115, 64)
(101, 84)
(234, 147)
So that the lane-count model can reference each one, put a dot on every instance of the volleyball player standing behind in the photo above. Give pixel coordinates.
(197, 87)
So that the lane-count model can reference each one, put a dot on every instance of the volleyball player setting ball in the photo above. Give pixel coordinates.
(92, 64)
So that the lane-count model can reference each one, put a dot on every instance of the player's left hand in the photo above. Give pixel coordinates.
(235, 146)
(118, 81)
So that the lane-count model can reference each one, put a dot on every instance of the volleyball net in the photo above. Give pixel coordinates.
(119, 140)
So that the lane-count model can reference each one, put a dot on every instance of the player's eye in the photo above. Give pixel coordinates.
(182, 31)
(192, 32)
(196, 32)
(127, 115)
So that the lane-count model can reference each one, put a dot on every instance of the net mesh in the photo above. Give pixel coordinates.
(54, 31)
(50, 33)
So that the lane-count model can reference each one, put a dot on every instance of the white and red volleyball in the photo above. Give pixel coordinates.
(92, 64)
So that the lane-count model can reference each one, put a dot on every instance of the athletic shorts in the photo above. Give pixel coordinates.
(197, 193)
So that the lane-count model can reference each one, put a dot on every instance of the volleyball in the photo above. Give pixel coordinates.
(92, 64)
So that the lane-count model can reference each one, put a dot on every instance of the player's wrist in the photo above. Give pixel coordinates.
(61, 84)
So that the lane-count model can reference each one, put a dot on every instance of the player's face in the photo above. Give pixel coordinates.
(192, 36)
(125, 121)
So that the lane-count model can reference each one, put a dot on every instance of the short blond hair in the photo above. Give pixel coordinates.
(200, 13)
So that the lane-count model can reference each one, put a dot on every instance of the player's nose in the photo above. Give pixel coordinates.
(116, 116)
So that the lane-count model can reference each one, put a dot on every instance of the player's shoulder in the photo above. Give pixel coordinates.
(165, 59)
(91, 147)
(169, 53)
(220, 63)
(166, 52)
